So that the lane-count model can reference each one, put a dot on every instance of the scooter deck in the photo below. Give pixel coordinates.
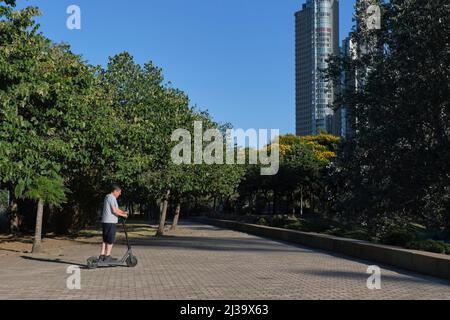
(111, 264)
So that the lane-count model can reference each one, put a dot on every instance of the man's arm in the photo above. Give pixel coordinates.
(119, 212)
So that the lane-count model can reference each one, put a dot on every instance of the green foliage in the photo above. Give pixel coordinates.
(319, 225)
(262, 222)
(29, 144)
(278, 221)
(67, 124)
(337, 232)
(398, 238)
(3, 199)
(297, 225)
(430, 246)
(396, 167)
(303, 167)
(359, 234)
(9, 2)
(433, 234)
(50, 190)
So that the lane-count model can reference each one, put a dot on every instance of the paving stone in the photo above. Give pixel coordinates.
(204, 262)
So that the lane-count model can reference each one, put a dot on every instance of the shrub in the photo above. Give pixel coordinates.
(278, 222)
(250, 219)
(398, 238)
(358, 235)
(433, 234)
(430, 246)
(337, 232)
(262, 222)
(297, 225)
(318, 225)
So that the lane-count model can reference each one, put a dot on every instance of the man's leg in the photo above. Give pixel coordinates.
(109, 248)
(104, 234)
(110, 237)
(103, 249)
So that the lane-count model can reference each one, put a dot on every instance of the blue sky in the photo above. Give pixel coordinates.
(232, 57)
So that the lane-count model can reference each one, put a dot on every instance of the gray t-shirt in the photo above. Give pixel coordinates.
(108, 216)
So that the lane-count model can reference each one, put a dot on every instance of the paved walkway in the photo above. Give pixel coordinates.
(203, 262)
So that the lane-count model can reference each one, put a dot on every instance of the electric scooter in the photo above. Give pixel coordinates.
(128, 260)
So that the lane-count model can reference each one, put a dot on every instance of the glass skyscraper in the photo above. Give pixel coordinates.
(317, 37)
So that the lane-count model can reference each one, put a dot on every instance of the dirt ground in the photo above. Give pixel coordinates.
(16, 245)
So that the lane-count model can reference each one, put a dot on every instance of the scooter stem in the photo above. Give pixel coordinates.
(126, 234)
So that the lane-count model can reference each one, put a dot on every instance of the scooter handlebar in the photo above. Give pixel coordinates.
(122, 220)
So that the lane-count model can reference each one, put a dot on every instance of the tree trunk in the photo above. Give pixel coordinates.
(163, 215)
(292, 205)
(14, 224)
(312, 202)
(176, 217)
(301, 201)
(38, 231)
(274, 204)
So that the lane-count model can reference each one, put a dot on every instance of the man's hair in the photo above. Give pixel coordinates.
(115, 187)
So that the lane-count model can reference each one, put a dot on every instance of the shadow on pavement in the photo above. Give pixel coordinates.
(12, 250)
(215, 244)
(59, 261)
(401, 278)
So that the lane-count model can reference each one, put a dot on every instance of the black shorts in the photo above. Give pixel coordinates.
(109, 233)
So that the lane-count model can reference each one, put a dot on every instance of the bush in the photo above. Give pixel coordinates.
(358, 235)
(262, 222)
(430, 246)
(337, 232)
(297, 225)
(278, 222)
(319, 225)
(398, 238)
(433, 234)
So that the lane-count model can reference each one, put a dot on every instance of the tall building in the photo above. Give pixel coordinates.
(349, 81)
(317, 37)
(367, 16)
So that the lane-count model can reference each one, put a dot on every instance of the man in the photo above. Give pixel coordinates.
(110, 215)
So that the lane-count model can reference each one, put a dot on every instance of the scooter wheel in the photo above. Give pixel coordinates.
(132, 261)
(92, 263)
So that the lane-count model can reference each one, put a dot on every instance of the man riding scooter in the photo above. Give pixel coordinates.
(110, 219)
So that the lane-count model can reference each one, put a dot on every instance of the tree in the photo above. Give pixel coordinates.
(304, 162)
(45, 190)
(55, 118)
(28, 147)
(211, 181)
(148, 111)
(91, 126)
(396, 168)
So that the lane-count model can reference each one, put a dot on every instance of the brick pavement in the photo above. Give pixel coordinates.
(204, 262)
